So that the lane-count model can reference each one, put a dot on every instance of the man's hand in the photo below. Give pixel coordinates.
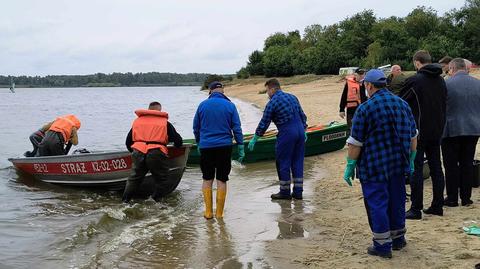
(241, 153)
(198, 150)
(413, 154)
(348, 176)
(342, 115)
(252, 142)
(306, 137)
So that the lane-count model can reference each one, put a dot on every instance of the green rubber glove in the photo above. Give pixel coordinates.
(349, 171)
(252, 142)
(198, 151)
(413, 154)
(306, 137)
(241, 153)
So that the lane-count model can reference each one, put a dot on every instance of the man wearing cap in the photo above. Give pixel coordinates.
(382, 145)
(285, 111)
(214, 122)
(352, 96)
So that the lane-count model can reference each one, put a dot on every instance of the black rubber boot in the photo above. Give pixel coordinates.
(281, 196)
(372, 251)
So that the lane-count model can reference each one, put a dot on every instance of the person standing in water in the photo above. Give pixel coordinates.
(215, 123)
(147, 140)
(285, 111)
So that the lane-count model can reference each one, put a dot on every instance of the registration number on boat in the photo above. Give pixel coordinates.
(104, 166)
(334, 136)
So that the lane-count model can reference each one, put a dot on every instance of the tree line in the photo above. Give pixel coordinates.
(367, 41)
(107, 80)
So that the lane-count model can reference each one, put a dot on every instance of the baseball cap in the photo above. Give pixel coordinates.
(360, 71)
(375, 76)
(215, 85)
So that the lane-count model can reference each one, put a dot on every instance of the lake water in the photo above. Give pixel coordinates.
(47, 226)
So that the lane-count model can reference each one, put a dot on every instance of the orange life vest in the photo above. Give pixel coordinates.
(149, 131)
(353, 94)
(64, 126)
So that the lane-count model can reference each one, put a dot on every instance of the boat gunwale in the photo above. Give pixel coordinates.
(72, 157)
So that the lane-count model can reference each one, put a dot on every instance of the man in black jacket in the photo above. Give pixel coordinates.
(426, 94)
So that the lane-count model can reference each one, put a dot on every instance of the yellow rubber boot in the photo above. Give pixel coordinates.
(221, 195)
(208, 200)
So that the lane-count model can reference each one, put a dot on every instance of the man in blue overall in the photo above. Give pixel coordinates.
(287, 114)
(382, 146)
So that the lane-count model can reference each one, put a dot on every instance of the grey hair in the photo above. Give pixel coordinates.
(468, 64)
(458, 64)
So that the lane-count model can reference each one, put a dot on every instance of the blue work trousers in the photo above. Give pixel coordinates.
(385, 204)
(290, 153)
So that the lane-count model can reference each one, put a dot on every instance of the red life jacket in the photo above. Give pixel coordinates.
(64, 126)
(353, 94)
(149, 131)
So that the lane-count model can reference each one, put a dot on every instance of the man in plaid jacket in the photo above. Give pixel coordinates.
(382, 146)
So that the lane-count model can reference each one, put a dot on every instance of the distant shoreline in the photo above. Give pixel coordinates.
(103, 86)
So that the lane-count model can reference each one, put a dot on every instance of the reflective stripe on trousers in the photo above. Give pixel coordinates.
(385, 205)
(289, 153)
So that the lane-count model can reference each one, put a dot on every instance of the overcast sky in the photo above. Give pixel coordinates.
(85, 37)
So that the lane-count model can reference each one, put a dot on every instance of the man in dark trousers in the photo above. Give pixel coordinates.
(461, 132)
(426, 94)
(147, 140)
(352, 96)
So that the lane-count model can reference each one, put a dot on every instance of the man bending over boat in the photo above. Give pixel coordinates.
(215, 123)
(63, 131)
(285, 111)
(36, 138)
(147, 140)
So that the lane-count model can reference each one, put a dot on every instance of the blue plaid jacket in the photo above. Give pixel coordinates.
(384, 127)
(281, 109)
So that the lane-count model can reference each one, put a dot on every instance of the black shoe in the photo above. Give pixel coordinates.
(434, 211)
(28, 154)
(467, 203)
(281, 196)
(399, 245)
(372, 251)
(413, 214)
(297, 196)
(450, 203)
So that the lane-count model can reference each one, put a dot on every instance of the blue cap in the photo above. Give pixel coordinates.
(215, 85)
(375, 76)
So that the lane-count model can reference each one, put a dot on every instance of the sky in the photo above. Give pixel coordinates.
(53, 37)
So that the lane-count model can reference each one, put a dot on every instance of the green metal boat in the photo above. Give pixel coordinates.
(321, 139)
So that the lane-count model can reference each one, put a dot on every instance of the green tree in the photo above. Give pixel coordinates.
(255, 63)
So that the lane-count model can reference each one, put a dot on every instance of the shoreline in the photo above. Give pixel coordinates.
(338, 225)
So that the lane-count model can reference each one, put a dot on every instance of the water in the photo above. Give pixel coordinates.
(47, 226)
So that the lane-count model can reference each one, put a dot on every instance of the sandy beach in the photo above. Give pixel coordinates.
(338, 227)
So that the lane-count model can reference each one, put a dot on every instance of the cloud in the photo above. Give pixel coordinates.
(71, 37)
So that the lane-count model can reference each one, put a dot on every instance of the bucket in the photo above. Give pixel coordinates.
(476, 174)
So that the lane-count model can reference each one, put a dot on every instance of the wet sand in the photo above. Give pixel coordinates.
(337, 224)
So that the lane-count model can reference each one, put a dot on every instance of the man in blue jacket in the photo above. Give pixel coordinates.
(215, 121)
(285, 111)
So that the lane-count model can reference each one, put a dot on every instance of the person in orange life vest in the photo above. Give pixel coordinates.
(147, 140)
(36, 138)
(63, 131)
(352, 96)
